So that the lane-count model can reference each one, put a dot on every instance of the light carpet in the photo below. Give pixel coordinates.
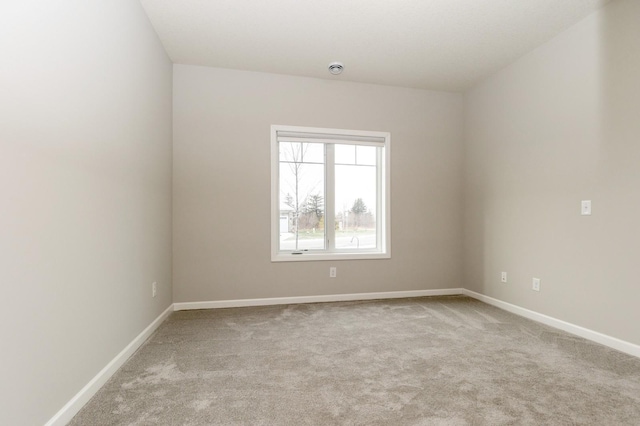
(420, 361)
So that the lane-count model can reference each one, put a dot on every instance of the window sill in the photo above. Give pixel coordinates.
(310, 257)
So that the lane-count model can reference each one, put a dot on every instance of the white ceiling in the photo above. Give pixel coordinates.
(429, 44)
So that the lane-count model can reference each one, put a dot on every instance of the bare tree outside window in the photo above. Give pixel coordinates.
(302, 188)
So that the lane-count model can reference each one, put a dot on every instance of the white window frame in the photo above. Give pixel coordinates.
(330, 137)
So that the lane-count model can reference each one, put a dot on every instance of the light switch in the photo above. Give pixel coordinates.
(586, 207)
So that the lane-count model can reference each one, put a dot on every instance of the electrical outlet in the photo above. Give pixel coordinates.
(503, 278)
(333, 271)
(536, 284)
(154, 289)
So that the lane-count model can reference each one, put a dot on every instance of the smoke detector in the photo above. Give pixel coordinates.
(335, 68)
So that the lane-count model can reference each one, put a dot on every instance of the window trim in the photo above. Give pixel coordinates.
(334, 136)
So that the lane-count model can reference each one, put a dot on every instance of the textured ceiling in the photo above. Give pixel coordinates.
(429, 44)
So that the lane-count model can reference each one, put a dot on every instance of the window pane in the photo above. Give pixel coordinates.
(366, 155)
(302, 192)
(345, 154)
(356, 202)
(289, 151)
(313, 153)
(301, 152)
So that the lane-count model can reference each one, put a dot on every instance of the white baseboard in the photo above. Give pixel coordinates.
(214, 304)
(594, 336)
(72, 407)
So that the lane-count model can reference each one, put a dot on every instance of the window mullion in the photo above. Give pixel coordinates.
(329, 199)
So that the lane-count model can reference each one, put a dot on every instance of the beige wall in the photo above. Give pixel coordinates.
(86, 170)
(85, 194)
(221, 183)
(560, 125)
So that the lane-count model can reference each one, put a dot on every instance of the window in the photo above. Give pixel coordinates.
(329, 194)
